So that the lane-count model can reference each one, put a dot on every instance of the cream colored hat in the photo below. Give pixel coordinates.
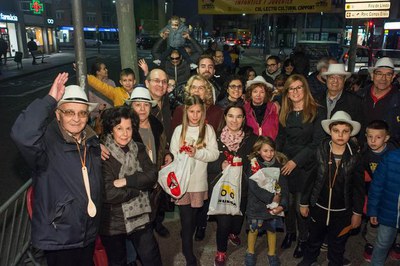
(341, 116)
(336, 69)
(76, 94)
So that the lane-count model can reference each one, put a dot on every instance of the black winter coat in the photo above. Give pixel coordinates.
(60, 219)
(112, 218)
(350, 169)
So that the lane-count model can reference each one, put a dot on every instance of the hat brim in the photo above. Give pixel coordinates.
(251, 82)
(129, 101)
(356, 126)
(92, 106)
(372, 69)
(346, 74)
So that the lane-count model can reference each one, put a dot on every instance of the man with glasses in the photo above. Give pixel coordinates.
(273, 69)
(336, 98)
(157, 83)
(382, 98)
(64, 154)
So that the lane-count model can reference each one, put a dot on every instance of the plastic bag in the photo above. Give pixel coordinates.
(226, 195)
(174, 178)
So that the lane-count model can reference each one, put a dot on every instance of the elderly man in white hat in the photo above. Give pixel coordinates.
(336, 98)
(382, 98)
(64, 154)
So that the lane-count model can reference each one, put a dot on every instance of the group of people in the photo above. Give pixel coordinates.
(327, 144)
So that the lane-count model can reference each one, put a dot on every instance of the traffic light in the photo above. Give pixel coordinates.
(370, 24)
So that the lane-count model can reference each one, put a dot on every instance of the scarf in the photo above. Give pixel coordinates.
(232, 140)
(136, 210)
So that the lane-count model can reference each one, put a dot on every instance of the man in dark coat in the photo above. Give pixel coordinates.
(32, 47)
(64, 154)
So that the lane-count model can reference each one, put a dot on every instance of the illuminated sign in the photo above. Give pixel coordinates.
(50, 21)
(8, 17)
(36, 7)
(367, 14)
(90, 29)
(263, 6)
(368, 6)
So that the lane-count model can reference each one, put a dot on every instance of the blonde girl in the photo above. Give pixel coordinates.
(264, 207)
(203, 148)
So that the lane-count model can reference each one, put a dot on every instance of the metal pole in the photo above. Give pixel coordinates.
(161, 14)
(80, 53)
(127, 34)
(353, 45)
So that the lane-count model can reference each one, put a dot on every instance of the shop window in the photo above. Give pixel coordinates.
(59, 14)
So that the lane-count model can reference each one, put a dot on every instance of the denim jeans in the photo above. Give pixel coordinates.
(384, 241)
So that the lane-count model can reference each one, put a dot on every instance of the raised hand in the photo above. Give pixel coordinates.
(58, 88)
(143, 65)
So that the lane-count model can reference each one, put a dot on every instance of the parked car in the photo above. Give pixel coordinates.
(146, 42)
(242, 42)
(363, 57)
(92, 42)
(391, 53)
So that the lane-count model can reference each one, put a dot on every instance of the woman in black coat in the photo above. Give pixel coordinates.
(300, 133)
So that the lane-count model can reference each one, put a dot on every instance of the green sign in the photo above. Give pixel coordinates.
(36, 7)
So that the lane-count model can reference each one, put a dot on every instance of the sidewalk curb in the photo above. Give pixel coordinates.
(40, 70)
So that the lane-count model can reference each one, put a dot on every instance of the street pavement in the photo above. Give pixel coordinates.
(205, 250)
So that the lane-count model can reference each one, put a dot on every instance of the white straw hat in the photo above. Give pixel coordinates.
(341, 116)
(76, 94)
(336, 69)
(385, 62)
(258, 80)
(141, 94)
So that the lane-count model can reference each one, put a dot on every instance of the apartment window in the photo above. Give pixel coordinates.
(59, 14)
(90, 16)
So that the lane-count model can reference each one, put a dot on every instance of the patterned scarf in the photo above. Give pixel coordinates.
(232, 140)
(136, 210)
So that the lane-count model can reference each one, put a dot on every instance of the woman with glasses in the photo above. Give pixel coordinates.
(300, 132)
(198, 85)
(234, 89)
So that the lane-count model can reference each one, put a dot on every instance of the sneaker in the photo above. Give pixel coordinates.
(193, 66)
(395, 252)
(250, 259)
(220, 259)
(274, 261)
(324, 247)
(234, 240)
(368, 252)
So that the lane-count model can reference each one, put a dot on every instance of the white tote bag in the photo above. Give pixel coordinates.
(174, 178)
(226, 195)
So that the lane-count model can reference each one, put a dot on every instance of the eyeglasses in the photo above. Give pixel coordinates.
(159, 81)
(71, 113)
(175, 58)
(298, 88)
(200, 88)
(235, 87)
(271, 65)
(383, 75)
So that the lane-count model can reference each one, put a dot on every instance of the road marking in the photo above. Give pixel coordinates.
(27, 92)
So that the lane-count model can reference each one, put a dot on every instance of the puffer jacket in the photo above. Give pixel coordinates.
(384, 193)
(350, 170)
(59, 219)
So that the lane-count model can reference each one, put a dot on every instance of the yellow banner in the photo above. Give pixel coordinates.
(220, 7)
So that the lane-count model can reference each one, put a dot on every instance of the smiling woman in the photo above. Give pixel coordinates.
(128, 175)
